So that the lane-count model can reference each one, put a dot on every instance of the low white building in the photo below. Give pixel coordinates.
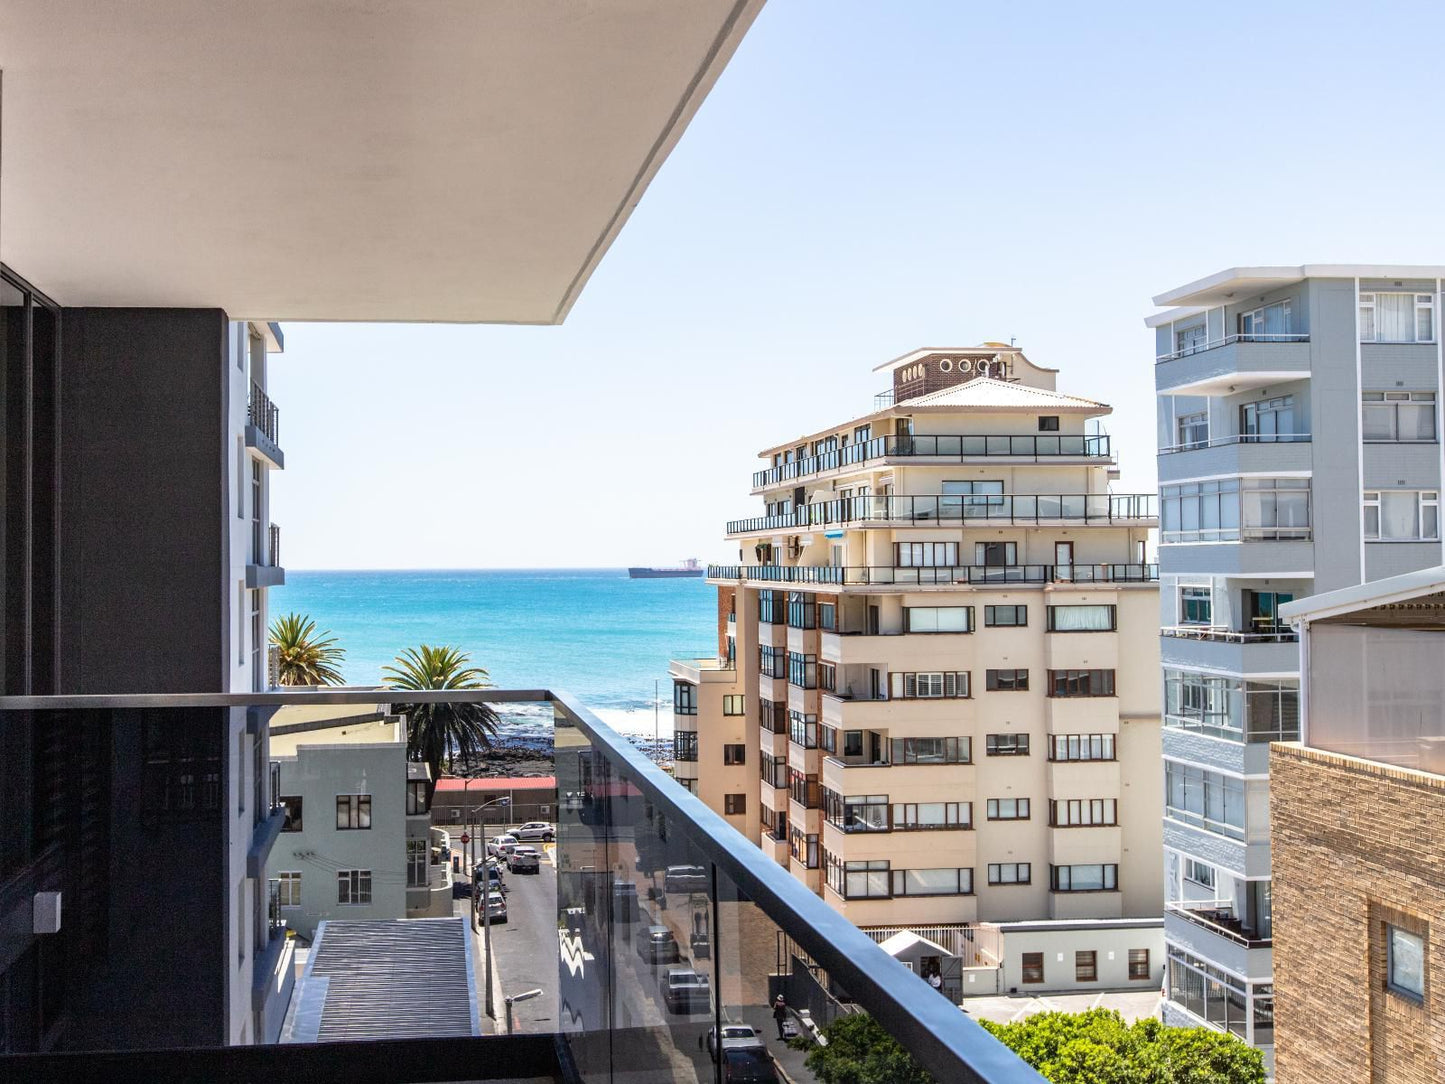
(358, 842)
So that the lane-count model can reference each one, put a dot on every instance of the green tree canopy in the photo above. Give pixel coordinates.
(442, 733)
(305, 657)
(1093, 1047)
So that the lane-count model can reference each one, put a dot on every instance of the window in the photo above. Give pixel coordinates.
(1397, 318)
(802, 610)
(735, 754)
(857, 812)
(290, 889)
(925, 554)
(353, 886)
(852, 743)
(774, 771)
(1196, 605)
(1406, 963)
(772, 663)
(802, 670)
(803, 845)
(1267, 421)
(1083, 812)
(932, 882)
(416, 861)
(995, 554)
(804, 789)
(1081, 619)
(684, 745)
(1199, 873)
(770, 610)
(925, 816)
(1138, 963)
(1010, 873)
(828, 677)
(803, 729)
(1005, 616)
(684, 698)
(1103, 878)
(1008, 809)
(1267, 323)
(1063, 683)
(735, 805)
(1398, 416)
(353, 811)
(292, 805)
(950, 684)
(416, 803)
(1401, 515)
(1086, 966)
(734, 705)
(1033, 967)
(1006, 681)
(1081, 747)
(828, 614)
(1205, 799)
(1199, 511)
(1193, 429)
(1049, 423)
(932, 750)
(938, 618)
(1275, 508)
(1008, 745)
(862, 880)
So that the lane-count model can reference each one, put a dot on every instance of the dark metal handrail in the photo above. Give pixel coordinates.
(273, 546)
(262, 413)
(1253, 337)
(945, 446)
(1121, 508)
(883, 575)
(1274, 635)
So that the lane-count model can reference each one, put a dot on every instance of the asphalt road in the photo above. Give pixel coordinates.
(526, 948)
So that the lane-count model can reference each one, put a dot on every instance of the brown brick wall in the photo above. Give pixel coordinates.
(724, 607)
(1355, 846)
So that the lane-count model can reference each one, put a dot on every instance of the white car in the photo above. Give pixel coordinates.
(501, 846)
(536, 830)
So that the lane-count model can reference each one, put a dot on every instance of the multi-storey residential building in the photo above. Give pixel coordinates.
(1356, 807)
(938, 658)
(1299, 452)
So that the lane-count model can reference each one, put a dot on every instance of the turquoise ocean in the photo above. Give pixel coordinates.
(590, 632)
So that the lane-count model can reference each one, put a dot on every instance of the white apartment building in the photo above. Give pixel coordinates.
(934, 698)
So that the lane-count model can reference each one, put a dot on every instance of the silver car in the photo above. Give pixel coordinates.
(534, 831)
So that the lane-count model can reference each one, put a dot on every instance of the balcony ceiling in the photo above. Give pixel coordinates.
(446, 160)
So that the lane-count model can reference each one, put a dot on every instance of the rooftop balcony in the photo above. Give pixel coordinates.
(630, 823)
(1029, 448)
(1235, 362)
(892, 576)
(263, 427)
(698, 671)
(1093, 509)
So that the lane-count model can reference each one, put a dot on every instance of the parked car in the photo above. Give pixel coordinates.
(656, 945)
(685, 991)
(748, 1067)
(493, 873)
(501, 846)
(524, 860)
(496, 907)
(536, 830)
(735, 1037)
(685, 879)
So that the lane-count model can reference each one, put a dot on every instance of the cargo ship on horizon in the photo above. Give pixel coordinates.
(689, 568)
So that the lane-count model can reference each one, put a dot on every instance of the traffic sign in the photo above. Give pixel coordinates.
(466, 838)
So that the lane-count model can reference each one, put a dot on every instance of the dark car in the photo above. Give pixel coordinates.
(656, 945)
(748, 1067)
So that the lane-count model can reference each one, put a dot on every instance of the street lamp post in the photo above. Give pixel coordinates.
(525, 996)
(484, 892)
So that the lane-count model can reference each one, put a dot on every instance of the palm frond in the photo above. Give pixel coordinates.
(305, 657)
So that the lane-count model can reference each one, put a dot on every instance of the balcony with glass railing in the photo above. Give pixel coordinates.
(1094, 509)
(624, 826)
(962, 448)
(891, 575)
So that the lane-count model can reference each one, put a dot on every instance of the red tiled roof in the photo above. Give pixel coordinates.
(496, 783)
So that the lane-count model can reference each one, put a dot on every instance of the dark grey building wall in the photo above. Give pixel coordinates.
(144, 555)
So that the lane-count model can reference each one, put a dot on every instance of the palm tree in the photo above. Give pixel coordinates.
(305, 656)
(442, 732)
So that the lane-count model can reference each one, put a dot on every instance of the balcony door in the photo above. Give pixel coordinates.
(1063, 560)
(1261, 610)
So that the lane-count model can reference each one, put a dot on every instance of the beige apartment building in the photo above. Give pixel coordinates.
(936, 694)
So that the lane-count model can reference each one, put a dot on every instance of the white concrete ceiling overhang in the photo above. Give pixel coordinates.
(431, 160)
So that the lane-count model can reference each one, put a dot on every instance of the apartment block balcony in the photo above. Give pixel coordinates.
(1263, 649)
(618, 1027)
(263, 427)
(1233, 363)
(264, 568)
(1211, 930)
(1236, 454)
(934, 576)
(1026, 448)
(1014, 509)
(700, 671)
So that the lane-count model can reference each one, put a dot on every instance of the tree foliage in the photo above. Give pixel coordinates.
(440, 734)
(1093, 1047)
(304, 656)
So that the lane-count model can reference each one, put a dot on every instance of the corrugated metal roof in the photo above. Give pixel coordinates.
(394, 979)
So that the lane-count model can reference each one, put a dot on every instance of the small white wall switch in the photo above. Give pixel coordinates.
(47, 912)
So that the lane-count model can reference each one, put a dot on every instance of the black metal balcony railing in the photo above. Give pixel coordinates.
(1213, 344)
(273, 796)
(273, 546)
(262, 413)
(624, 824)
(1097, 508)
(1218, 917)
(274, 922)
(961, 447)
(883, 575)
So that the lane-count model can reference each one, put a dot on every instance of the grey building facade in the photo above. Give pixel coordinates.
(1299, 452)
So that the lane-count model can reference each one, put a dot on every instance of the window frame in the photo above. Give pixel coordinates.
(1110, 609)
(358, 886)
(1006, 745)
(992, 613)
(1138, 960)
(1421, 947)
(1023, 873)
(1393, 401)
(735, 805)
(1069, 684)
(1016, 682)
(1022, 809)
(289, 888)
(1086, 965)
(734, 704)
(358, 809)
(1032, 964)
(735, 754)
(1426, 501)
(1423, 305)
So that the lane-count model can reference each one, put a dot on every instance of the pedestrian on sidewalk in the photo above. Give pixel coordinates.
(780, 1013)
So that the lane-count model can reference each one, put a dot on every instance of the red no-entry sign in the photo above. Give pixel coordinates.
(466, 838)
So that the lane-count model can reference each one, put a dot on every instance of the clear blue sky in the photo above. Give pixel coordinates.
(864, 179)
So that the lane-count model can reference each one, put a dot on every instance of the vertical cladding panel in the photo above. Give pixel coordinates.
(144, 469)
